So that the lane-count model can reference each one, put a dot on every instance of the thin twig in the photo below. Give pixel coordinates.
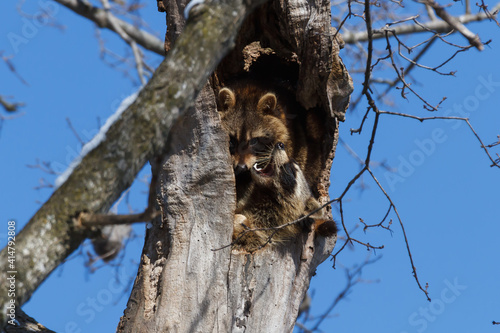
(86, 219)
(491, 16)
(494, 163)
(10, 107)
(373, 106)
(405, 29)
(98, 15)
(414, 269)
(128, 39)
(400, 75)
(75, 133)
(455, 24)
(413, 64)
(381, 224)
(353, 278)
(12, 68)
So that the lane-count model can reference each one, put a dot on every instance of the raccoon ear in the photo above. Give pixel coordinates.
(267, 103)
(226, 99)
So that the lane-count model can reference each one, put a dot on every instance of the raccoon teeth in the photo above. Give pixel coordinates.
(255, 166)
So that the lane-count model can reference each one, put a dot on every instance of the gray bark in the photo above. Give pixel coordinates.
(140, 134)
(183, 285)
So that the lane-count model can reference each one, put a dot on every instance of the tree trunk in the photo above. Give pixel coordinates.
(184, 284)
(138, 135)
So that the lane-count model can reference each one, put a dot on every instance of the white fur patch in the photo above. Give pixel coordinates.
(190, 5)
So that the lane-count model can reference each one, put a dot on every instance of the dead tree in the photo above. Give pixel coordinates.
(186, 282)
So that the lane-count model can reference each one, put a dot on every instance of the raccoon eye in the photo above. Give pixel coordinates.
(265, 140)
(232, 144)
(253, 141)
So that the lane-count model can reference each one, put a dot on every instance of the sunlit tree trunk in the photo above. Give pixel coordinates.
(184, 284)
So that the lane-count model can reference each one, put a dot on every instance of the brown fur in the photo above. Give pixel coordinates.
(250, 112)
(257, 119)
(250, 109)
(280, 194)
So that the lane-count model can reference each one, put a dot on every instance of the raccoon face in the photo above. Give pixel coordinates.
(246, 149)
(254, 122)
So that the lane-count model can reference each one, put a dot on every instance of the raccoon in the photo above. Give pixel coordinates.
(255, 118)
(279, 194)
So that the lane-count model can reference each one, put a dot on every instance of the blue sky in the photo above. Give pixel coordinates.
(443, 187)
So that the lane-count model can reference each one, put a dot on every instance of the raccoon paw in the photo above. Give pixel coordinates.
(244, 238)
(239, 225)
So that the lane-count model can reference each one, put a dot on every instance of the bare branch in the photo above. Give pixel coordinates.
(10, 107)
(353, 277)
(91, 220)
(406, 85)
(372, 106)
(404, 235)
(430, 13)
(495, 143)
(392, 206)
(10, 65)
(99, 16)
(115, 26)
(455, 24)
(75, 133)
(86, 219)
(405, 29)
(381, 224)
(413, 64)
(117, 59)
(492, 16)
(44, 166)
(485, 147)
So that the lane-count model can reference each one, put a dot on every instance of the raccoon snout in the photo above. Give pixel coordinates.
(240, 168)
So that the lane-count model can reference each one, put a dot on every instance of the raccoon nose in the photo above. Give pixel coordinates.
(240, 168)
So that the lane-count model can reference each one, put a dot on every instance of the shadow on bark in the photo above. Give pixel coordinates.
(182, 284)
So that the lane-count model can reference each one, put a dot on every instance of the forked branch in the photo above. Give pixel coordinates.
(107, 20)
(455, 24)
(433, 25)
